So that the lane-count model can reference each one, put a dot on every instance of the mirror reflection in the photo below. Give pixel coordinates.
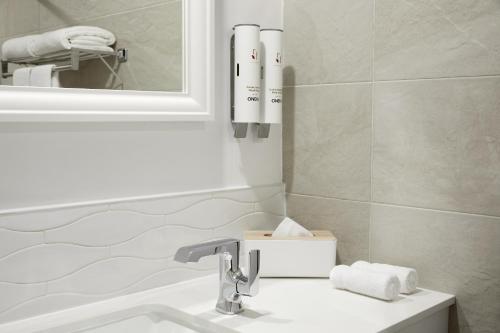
(92, 44)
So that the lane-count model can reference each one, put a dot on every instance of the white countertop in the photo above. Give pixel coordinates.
(282, 305)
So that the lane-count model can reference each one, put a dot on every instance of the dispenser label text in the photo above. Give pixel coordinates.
(254, 56)
(278, 60)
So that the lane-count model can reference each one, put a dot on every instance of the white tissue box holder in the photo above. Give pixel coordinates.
(293, 256)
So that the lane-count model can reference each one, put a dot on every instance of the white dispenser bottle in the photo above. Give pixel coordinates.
(272, 79)
(246, 73)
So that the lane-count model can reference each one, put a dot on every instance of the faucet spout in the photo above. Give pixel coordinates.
(233, 283)
(193, 253)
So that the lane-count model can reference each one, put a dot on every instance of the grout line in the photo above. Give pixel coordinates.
(372, 136)
(442, 78)
(373, 81)
(325, 197)
(327, 84)
(434, 209)
(396, 205)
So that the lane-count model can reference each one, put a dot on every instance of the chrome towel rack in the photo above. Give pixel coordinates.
(71, 60)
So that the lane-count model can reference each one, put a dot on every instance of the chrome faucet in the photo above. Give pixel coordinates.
(233, 283)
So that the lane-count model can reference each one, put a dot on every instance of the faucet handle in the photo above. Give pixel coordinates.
(249, 286)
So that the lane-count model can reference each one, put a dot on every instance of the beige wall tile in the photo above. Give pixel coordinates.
(154, 39)
(328, 41)
(437, 144)
(327, 132)
(22, 17)
(436, 38)
(348, 220)
(55, 13)
(3, 17)
(455, 253)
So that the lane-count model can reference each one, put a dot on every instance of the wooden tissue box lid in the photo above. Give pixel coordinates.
(319, 235)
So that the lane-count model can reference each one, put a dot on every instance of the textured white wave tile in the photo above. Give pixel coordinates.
(254, 221)
(253, 194)
(14, 294)
(43, 220)
(107, 277)
(176, 272)
(11, 241)
(46, 304)
(52, 260)
(47, 262)
(162, 206)
(172, 275)
(106, 228)
(211, 213)
(160, 243)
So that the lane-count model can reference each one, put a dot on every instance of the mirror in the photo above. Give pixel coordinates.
(93, 44)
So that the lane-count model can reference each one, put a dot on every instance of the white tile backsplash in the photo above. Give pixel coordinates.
(13, 241)
(159, 242)
(104, 229)
(59, 258)
(16, 294)
(47, 219)
(47, 262)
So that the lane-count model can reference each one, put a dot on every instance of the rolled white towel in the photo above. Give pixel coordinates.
(85, 37)
(408, 277)
(55, 42)
(17, 48)
(290, 228)
(379, 285)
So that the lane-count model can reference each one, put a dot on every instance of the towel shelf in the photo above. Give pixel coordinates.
(71, 60)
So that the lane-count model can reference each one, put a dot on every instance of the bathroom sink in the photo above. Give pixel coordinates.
(143, 319)
(282, 306)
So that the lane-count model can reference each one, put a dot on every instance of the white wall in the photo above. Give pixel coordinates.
(46, 164)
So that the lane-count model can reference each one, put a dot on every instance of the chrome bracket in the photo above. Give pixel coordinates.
(122, 55)
(263, 130)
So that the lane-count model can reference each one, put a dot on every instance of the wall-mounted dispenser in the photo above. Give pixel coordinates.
(272, 80)
(245, 77)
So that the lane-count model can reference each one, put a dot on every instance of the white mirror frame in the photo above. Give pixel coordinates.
(195, 103)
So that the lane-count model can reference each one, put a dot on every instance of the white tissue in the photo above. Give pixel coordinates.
(407, 276)
(290, 228)
(379, 285)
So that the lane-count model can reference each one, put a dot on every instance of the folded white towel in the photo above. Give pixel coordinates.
(55, 42)
(21, 77)
(44, 76)
(290, 228)
(379, 285)
(408, 277)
